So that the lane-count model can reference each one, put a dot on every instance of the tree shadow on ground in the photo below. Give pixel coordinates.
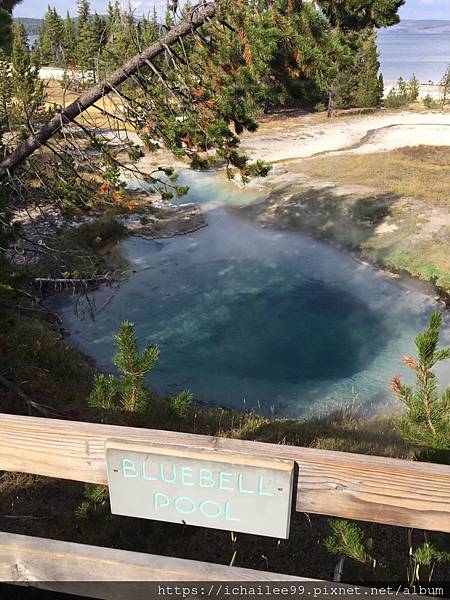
(347, 219)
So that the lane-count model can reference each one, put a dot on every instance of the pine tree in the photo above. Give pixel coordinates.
(28, 89)
(123, 39)
(414, 88)
(445, 87)
(43, 46)
(51, 38)
(370, 83)
(168, 17)
(427, 418)
(180, 404)
(425, 558)
(149, 29)
(109, 58)
(5, 87)
(6, 94)
(6, 23)
(99, 31)
(86, 49)
(402, 93)
(348, 15)
(348, 539)
(84, 13)
(70, 40)
(129, 391)
(112, 16)
(5, 30)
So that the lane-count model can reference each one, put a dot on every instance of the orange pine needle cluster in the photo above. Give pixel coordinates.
(103, 189)
(395, 385)
(410, 362)
(117, 197)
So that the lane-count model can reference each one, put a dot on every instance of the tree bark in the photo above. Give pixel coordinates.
(72, 281)
(84, 101)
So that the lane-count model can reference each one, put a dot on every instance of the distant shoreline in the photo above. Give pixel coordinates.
(423, 26)
(425, 89)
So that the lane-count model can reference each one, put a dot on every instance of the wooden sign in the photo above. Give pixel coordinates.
(215, 489)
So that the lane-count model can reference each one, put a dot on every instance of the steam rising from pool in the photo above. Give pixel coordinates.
(247, 317)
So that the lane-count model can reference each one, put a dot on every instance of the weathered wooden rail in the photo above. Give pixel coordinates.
(369, 488)
(30, 559)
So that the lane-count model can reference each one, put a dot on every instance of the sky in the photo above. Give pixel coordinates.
(413, 9)
(37, 8)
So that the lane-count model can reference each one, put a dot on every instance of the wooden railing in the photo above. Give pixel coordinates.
(368, 488)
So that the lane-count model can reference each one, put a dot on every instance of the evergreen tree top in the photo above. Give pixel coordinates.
(360, 14)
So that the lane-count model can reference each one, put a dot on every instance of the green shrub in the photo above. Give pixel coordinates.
(429, 102)
(348, 539)
(402, 93)
(95, 234)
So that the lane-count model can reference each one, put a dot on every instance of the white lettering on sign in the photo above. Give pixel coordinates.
(213, 489)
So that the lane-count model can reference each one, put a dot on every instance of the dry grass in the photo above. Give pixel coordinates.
(421, 171)
(57, 95)
(408, 236)
(419, 241)
(45, 366)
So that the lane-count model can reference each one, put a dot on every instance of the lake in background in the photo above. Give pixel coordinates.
(419, 47)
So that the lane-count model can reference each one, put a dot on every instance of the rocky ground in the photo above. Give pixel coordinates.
(161, 219)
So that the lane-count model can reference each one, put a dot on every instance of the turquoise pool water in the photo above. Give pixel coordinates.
(256, 318)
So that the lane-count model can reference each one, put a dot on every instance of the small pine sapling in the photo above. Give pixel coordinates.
(348, 539)
(423, 561)
(95, 498)
(179, 405)
(427, 418)
(413, 88)
(129, 391)
(133, 366)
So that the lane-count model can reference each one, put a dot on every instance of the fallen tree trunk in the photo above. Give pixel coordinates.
(62, 283)
(99, 279)
(83, 102)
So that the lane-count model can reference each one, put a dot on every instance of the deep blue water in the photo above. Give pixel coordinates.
(403, 53)
(257, 318)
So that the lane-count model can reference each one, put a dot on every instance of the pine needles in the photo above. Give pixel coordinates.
(427, 418)
(348, 539)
